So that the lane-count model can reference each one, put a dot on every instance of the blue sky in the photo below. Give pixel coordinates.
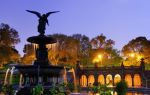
(119, 20)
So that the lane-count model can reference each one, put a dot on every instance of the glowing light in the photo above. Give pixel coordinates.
(132, 55)
(91, 80)
(109, 80)
(101, 79)
(83, 81)
(117, 78)
(139, 58)
(100, 56)
(137, 80)
(128, 79)
(97, 59)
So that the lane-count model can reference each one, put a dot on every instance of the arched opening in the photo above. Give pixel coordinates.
(117, 79)
(91, 80)
(128, 79)
(83, 81)
(109, 80)
(137, 80)
(101, 79)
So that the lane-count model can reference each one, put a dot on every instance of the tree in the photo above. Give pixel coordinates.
(101, 42)
(121, 88)
(29, 56)
(103, 51)
(136, 49)
(8, 38)
(83, 48)
(65, 52)
(8, 55)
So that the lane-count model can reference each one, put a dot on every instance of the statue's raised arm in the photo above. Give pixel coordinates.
(42, 20)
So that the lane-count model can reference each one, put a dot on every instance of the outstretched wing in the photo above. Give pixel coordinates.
(34, 12)
(47, 14)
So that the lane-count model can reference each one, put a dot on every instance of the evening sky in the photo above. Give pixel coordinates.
(119, 20)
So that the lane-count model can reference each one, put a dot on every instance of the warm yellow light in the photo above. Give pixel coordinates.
(97, 59)
(100, 56)
(132, 54)
(139, 58)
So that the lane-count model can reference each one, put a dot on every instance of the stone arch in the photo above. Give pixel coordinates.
(83, 81)
(128, 79)
(137, 80)
(109, 80)
(91, 80)
(117, 79)
(101, 79)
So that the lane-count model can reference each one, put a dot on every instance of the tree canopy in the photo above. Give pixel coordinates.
(8, 35)
(103, 52)
(29, 54)
(136, 49)
(8, 38)
(67, 49)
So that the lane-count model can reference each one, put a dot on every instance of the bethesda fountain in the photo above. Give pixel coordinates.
(41, 71)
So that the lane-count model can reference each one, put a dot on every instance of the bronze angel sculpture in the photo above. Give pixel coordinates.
(42, 20)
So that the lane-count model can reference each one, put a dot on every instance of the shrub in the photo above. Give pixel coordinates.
(8, 89)
(37, 90)
(121, 88)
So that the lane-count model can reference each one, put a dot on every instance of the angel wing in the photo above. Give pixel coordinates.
(47, 14)
(34, 12)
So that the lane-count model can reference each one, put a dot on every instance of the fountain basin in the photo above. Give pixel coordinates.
(32, 69)
(41, 39)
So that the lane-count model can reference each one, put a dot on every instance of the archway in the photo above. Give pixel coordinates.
(117, 79)
(137, 80)
(101, 79)
(83, 81)
(128, 79)
(91, 80)
(109, 80)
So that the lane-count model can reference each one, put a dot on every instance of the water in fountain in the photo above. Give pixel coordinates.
(6, 75)
(74, 80)
(20, 80)
(11, 75)
(65, 75)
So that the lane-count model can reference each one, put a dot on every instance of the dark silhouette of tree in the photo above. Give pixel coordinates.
(70, 49)
(83, 48)
(65, 52)
(8, 38)
(29, 54)
(140, 47)
(102, 46)
(121, 88)
(101, 42)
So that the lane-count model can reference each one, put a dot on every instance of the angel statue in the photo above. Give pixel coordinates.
(42, 20)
